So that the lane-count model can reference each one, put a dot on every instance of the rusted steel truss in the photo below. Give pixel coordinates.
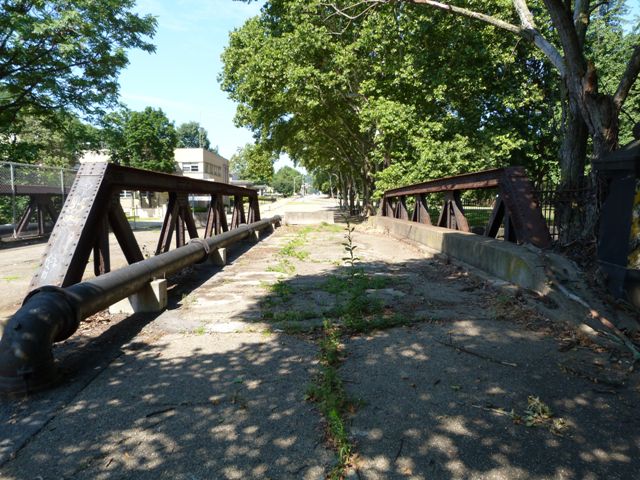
(92, 209)
(40, 206)
(516, 207)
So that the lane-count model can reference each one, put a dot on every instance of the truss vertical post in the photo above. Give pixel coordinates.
(421, 210)
(254, 209)
(221, 225)
(123, 233)
(26, 215)
(497, 215)
(238, 217)
(169, 224)
(452, 214)
(101, 256)
(401, 209)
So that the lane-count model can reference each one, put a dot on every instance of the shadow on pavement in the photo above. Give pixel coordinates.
(443, 397)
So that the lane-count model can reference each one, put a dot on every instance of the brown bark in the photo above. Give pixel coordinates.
(573, 151)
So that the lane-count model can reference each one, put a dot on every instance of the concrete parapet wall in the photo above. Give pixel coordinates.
(308, 218)
(513, 263)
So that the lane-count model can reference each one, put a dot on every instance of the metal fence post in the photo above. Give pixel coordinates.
(62, 183)
(13, 200)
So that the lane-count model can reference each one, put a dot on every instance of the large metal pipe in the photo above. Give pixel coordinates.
(52, 314)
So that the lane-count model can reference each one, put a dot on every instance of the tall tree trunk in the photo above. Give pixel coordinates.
(573, 150)
(367, 188)
(587, 113)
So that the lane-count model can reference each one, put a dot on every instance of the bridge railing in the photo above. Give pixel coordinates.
(32, 192)
(59, 297)
(516, 207)
(93, 208)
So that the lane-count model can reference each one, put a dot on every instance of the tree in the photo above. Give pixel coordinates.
(238, 165)
(371, 97)
(253, 163)
(192, 135)
(561, 34)
(286, 180)
(144, 139)
(58, 54)
(59, 140)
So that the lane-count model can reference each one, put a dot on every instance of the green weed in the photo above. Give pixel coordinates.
(199, 330)
(350, 259)
(281, 289)
(292, 316)
(329, 393)
(283, 266)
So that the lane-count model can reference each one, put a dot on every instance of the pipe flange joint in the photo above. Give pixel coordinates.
(202, 242)
(69, 304)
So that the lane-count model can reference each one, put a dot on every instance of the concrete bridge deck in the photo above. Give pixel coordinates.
(444, 376)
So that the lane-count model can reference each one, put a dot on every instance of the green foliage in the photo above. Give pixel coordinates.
(144, 139)
(388, 92)
(192, 135)
(58, 139)
(351, 259)
(252, 162)
(66, 54)
(328, 391)
(284, 180)
(610, 43)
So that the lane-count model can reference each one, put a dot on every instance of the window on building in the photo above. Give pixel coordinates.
(190, 167)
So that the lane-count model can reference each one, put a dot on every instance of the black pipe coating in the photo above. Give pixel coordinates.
(52, 314)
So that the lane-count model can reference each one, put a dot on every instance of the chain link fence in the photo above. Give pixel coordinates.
(19, 180)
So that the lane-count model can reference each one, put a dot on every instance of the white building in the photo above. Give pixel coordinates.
(201, 164)
(190, 162)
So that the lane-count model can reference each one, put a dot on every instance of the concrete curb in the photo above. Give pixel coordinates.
(308, 218)
(513, 263)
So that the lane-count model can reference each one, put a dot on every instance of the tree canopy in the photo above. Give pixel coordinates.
(253, 163)
(192, 135)
(144, 139)
(58, 54)
(386, 92)
(59, 140)
(287, 181)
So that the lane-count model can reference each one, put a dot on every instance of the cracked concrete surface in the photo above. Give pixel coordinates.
(215, 388)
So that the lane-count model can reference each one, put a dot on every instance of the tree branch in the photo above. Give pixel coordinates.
(343, 12)
(581, 18)
(628, 78)
(571, 47)
(527, 30)
(496, 22)
(531, 33)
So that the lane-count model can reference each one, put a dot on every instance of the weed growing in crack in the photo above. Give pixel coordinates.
(283, 266)
(201, 330)
(282, 290)
(329, 393)
(355, 312)
(350, 259)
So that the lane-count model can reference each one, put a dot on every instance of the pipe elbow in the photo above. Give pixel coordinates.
(47, 315)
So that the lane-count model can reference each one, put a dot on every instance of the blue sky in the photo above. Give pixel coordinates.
(181, 77)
